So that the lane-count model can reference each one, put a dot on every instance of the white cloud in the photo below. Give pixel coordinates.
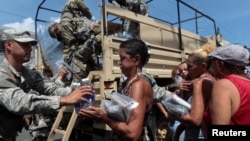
(55, 19)
(26, 24)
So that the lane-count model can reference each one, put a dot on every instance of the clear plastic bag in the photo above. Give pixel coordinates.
(176, 105)
(119, 107)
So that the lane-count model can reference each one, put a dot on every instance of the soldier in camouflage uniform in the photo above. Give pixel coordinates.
(41, 124)
(78, 33)
(74, 9)
(137, 6)
(17, 84)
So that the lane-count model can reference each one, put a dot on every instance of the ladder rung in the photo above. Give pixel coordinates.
(73, 119)
(59, 131)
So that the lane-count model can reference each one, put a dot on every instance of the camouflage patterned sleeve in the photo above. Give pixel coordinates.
(17, 101)
(69, 39)
(47, 86)
(84, 9)
(59, 82)
(22, 100)
(68, 33)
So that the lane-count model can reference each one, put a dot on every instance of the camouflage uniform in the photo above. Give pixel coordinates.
(42, 123)
(75, 9)
(137, 6)
(80, 43)
(79, 37)
(18, 99)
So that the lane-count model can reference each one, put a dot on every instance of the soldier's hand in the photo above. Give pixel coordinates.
(62, 72)
(77, 95)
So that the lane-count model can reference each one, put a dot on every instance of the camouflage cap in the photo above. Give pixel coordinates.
(51, 30)
(18, 35)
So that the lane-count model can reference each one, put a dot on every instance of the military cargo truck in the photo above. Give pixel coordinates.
(169, 46)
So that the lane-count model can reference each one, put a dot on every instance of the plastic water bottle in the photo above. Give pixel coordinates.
(90, 98)
(75, 85)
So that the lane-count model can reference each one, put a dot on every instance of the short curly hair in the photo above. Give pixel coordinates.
(51, 30)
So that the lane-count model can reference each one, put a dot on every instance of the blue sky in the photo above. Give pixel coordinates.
(231, 16)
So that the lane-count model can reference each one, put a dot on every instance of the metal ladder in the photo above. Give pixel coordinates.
(74, 116)
(55, 128)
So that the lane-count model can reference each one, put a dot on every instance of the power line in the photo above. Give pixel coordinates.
(9, 13)
(231, 35)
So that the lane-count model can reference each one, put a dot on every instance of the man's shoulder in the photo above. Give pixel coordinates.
(3, 68)
(6, 78)
(3, 73)
(72, 4)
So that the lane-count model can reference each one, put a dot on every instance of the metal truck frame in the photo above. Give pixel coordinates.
(169, 46)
